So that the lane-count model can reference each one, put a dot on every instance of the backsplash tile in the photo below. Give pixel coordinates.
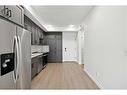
(39, 48)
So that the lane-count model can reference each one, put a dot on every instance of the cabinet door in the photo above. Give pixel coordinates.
(37, 35)
(33, 33)
(27, 24)
(40, 65)
(42, 35)
(34, 70)
(16, 14)
(54, 40)
(2, 10)
(34, 67)
(59, 48)
(50, 40)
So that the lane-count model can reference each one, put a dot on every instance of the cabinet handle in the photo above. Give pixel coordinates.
(6, 11)
(9, 13)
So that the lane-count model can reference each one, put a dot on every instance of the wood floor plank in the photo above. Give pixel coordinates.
(63, 76)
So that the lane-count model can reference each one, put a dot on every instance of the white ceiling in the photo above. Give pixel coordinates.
(61, 17)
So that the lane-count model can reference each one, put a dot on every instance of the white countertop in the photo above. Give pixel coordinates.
(35, 54)
(37, 50)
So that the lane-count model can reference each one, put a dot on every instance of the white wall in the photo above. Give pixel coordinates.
(69, 42)
(106, 46)
(80, 46)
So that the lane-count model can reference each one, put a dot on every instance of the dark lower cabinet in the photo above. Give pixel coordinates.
(34, 70)
(45, 59)
(37, 65)
(34, 67)
(40, 63)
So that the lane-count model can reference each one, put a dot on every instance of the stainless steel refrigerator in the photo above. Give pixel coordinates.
(15, 56)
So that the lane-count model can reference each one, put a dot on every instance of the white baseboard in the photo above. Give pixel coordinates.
(97, 83)
(70, 62)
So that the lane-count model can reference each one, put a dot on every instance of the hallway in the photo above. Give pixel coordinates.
(63, 76)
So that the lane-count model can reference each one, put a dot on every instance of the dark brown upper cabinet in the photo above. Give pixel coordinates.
(36, 31)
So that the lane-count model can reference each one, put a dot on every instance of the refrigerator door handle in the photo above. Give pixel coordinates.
(16, 52)
(19, 69)
(19, 58)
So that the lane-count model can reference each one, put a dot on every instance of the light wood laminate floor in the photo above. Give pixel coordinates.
(63, 76)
